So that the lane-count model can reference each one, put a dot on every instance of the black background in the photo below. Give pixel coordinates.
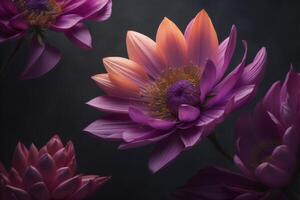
(32, 111)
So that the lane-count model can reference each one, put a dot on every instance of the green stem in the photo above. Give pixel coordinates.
(11, 56)
(212, 138)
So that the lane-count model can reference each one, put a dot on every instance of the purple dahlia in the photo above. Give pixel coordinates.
(174, 91)
(267, 152)
(46, 174)
(20, 18)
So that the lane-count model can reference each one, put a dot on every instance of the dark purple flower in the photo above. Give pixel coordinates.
(46, 174)
(172, 92)
(268, 142)
(267, 152)
(22, 17)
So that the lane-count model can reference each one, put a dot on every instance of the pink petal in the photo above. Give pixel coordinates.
(19, 161)
(62, 174)
(33, 155)
(19, 193)
(67, 188)
(46, 166)
(39, 191)
(31, 176)
(54, 145)
(165, 152)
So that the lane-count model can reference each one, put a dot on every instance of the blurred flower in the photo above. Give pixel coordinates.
(46, 174)
(173, 91)
(267, 151)
(19, 18)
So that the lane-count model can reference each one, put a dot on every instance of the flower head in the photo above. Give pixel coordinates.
(267, 149)
(34, 17)
(48, 173)
(267, 154)
(173, 91)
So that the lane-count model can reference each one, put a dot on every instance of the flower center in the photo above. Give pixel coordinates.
(174, 87)
(181, 92)
(39, 13)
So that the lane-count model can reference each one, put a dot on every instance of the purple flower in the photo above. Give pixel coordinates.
(174, 91)
(22, 17)
(267, 151)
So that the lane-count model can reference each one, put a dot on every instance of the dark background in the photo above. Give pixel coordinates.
(32, 111)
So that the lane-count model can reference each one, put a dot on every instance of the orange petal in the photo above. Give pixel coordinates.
(202, 39)
(144, 51)
(125, 73)
(172, 43)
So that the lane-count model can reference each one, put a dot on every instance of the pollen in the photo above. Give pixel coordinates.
(39, 13)
(175, 86)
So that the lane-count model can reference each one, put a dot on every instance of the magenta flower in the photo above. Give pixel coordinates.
(174, 91)
(46, 174)
(267, 152)
(22, 17)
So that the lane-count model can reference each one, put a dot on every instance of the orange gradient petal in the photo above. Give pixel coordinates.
(172, 43)
(202, 39)
(125, 73)
(144, 51)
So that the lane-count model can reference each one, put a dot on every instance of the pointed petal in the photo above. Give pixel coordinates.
(191, 137)
(19, 161)
(39, 191)
(225, 53)
(228, 83)
(54, 145)
(144, 51)
(67, 188)
(62, 174)
(80, 36)
(19, 193)
(46, 166)
(208, 79)
(31, 176)
(110, 127)
(43, 58)
(127, 73)
(112, 89)
(33, 155)
(202, 40)
(165, 152)
(253, 72)
(111, 104)
(172, 43)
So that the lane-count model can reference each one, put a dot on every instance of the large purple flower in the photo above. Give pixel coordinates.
(173, 91)
(267, 151)
(32, 17)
